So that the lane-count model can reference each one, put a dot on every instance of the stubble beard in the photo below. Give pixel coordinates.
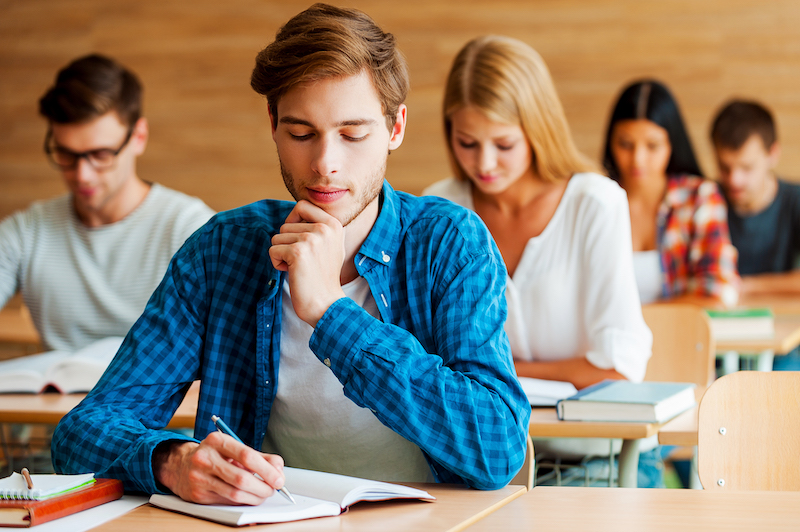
(367, 195)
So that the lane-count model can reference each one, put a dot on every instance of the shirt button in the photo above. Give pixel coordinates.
(327, 362)
(385, 257)
(266, 382)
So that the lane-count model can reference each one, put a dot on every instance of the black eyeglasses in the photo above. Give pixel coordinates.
(100, 159)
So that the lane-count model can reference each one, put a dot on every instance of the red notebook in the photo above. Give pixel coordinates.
(26, 513)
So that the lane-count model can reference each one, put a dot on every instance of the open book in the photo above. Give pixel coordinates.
(542, 392)
(317, 494)
(66, 372)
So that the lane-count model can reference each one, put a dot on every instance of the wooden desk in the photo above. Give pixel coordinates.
(787, 337)
(456, 508)
(545, 424)
(787, 334)
(779, 303)
(51, 407)
(655, 510)
(681, 430)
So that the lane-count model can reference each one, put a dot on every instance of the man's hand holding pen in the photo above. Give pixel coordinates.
(218, 470)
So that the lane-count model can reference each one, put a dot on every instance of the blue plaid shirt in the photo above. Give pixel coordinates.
(436, 368)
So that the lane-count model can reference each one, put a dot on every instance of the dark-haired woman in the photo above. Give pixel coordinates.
(679, 226)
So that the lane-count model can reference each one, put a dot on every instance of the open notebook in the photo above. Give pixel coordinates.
(44, 486)
(317, 494)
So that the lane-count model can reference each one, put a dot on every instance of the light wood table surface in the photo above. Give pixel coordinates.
(545, 424)
(779, 303)
(681, 430)
(51, 407)
(455, 508)
(568, 509)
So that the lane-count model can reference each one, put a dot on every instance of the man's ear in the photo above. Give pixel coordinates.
(399, 128)
(141, 132)
(774, 154)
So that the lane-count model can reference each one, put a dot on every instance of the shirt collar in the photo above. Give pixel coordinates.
(383, 240)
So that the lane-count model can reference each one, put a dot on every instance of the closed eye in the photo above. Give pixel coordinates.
(354, 139)
(467, 145)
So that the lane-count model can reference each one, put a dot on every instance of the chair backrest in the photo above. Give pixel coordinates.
(525, 475)
(749, 432)
(683, 346)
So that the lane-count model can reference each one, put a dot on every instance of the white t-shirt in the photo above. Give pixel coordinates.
(573, 292)
(83, 284)
(313, 425)
(649, 278)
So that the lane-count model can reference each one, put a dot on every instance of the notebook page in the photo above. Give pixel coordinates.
(44, 486)
(346, 490)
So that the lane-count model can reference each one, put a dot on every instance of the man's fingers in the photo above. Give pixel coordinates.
(252, 462)
(305, 211)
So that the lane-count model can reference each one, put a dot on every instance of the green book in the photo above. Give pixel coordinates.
(742, 324)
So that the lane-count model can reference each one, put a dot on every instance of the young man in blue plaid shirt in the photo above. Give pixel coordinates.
(358, 331)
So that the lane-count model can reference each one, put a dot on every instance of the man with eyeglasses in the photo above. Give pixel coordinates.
(87, 262)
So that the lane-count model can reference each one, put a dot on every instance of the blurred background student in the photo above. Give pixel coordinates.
(763, 210)
(563, 230)
(86, 262)
(681, 244)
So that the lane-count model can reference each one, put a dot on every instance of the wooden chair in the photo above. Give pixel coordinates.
(683, 351)
(749, 432)
(525, 475)
(683, 346)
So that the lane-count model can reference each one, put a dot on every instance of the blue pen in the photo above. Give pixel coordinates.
(225, 429)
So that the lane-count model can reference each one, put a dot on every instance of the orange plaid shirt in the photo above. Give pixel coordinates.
(697, 256)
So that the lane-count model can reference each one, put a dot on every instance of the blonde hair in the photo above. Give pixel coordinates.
(508, 81)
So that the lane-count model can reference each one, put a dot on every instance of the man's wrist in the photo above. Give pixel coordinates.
(164, 462)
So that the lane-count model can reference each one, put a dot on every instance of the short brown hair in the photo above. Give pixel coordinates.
(739, 120)
(324, 42)
(508, 81)
(90, 87)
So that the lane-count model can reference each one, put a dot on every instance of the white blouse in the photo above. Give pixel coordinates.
(574, 291)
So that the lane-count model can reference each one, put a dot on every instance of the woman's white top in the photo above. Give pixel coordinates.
(649, 278)
(573, 292)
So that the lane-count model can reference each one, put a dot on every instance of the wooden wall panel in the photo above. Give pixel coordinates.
(209, 131)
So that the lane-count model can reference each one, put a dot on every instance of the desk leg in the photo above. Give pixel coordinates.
(765, 358)
(629, 464)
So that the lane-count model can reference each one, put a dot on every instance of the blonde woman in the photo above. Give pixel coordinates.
(564, 232)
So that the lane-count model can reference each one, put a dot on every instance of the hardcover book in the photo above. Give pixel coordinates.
(620, 400)
(742, 324)
(21, 512)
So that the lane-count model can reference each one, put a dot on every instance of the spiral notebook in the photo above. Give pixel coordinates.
(44, 486)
